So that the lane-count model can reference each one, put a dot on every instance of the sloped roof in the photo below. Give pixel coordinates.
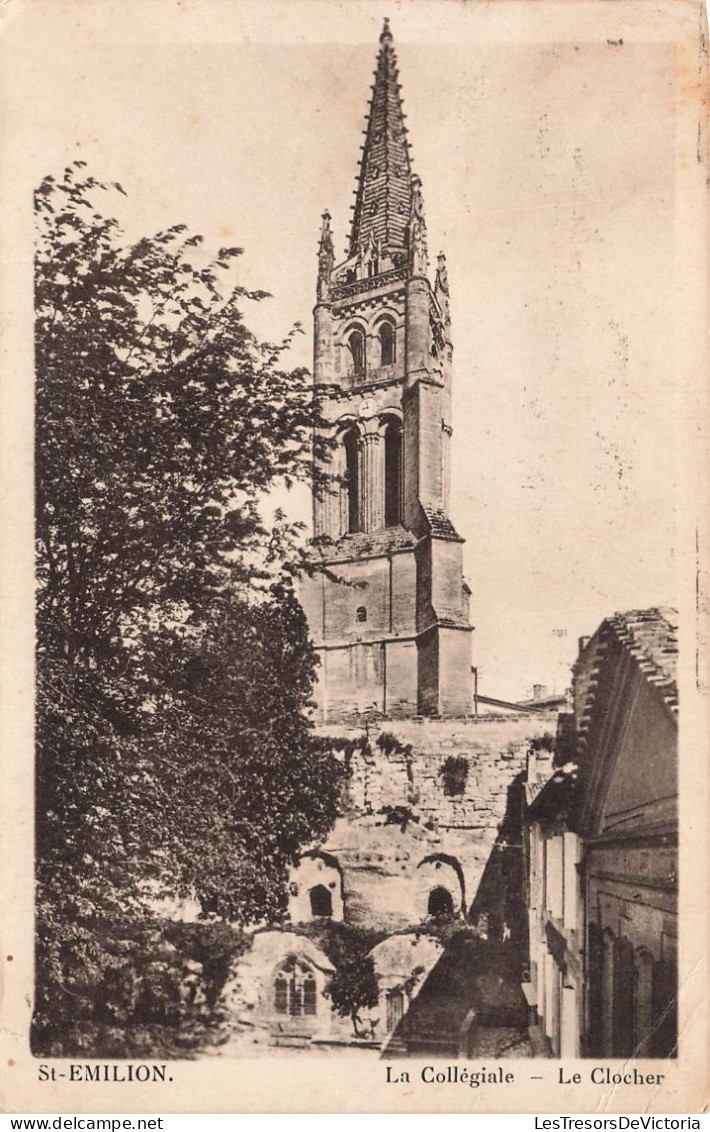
(373, 542)
(557, 798)
(439, 523)
(651, 636)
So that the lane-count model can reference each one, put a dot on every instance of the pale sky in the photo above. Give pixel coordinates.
(547, 141)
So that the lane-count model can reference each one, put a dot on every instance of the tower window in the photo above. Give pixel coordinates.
(356, 345)
(352, 470)
(393, 474)
(361, 613)
(386, 336)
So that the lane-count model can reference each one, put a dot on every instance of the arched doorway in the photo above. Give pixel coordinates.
(395, 1010)
(321, 901)
(440, 903)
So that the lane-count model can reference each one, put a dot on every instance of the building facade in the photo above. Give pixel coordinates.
(602, 836)
(389, 613)
(555, 987)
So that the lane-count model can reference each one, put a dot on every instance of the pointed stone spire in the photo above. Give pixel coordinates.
(326, 258)
(383, 202)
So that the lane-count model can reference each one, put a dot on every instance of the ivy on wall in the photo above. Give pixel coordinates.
(454, 772)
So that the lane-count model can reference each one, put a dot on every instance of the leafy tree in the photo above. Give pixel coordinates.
(173, 661)
(354, 988)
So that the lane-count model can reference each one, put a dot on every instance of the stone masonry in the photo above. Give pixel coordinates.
(402, 835)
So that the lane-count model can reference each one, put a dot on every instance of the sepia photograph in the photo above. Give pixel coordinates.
(369, 518)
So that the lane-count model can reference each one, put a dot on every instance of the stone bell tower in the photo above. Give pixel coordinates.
(389, 614)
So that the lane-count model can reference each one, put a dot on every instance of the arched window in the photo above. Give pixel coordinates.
(295, 989)
(386, 336)
(607, 1012)
(440, 903)
(393, 474)
(356, 346)
(309, 993)
(352, 473)
(321, 901)
(596, 969)
(281, 993)
(361, 613)
(623, 1007)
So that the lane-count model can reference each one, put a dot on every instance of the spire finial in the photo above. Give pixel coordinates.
(386, 34)
(441, 287)
(418, 255)
(326, 258)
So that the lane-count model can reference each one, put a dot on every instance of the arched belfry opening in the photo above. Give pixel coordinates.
(387, 343)
(356, 346)
(393, 473)
(352, 479)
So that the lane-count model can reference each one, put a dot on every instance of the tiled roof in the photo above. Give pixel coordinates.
(651, 636)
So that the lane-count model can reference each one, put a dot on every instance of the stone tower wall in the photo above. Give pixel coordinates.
(382, 365)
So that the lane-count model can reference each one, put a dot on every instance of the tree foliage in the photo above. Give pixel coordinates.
(173, 660)
(354, 988)
(354, 985)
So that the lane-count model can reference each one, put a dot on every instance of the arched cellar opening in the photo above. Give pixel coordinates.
(441, 903)
(321, 901)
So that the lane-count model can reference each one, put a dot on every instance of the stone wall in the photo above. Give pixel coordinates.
(404, 761)
(402, 835)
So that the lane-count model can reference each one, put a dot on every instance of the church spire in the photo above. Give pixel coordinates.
(383, 202)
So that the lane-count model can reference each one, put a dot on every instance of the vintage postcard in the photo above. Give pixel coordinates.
(355, 535)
